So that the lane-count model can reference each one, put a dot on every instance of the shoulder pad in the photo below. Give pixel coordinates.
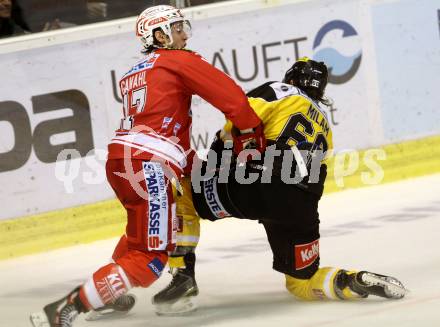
(264, 91)
(283, 90)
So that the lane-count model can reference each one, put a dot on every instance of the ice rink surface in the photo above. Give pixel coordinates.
(392, 229)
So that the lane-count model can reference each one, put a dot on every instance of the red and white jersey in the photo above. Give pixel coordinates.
(156, 95)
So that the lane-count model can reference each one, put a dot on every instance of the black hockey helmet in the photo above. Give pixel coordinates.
(308, 75)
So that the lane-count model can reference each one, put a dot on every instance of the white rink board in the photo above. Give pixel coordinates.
(88, 59)
(86, 65)
(391, 229)
(271, 40)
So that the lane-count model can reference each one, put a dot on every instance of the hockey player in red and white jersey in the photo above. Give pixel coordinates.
(149, 154)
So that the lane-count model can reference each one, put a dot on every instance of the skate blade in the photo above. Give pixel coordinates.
(392, 287)
(183, 306)
(104, 314)
(39, 319)
(109, 313)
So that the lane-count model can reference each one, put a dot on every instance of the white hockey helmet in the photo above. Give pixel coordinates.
(162, 17)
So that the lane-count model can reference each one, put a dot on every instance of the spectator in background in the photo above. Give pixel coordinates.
(192, 3)
(44, 15)
(99, 10)
(11, 19)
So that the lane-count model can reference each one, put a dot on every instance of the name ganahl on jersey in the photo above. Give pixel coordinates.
(306, 254)
(132, 82)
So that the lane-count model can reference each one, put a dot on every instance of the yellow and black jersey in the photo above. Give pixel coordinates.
(289, 116)
(292, 121)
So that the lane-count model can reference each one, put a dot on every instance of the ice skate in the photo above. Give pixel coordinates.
(180, 307)
(376, 284)
(120, 307)
(179, 296)
(61, 313)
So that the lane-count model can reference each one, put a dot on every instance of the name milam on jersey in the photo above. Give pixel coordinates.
(319, 118)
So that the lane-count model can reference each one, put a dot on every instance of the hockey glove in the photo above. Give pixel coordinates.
(251, 138)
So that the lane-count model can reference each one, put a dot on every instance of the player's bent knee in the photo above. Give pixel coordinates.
(143, 268)
(121, 248)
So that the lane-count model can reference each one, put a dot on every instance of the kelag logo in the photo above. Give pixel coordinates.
(341, 68)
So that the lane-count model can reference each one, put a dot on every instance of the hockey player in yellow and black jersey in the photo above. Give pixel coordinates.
(287, 185)
(293, 121)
